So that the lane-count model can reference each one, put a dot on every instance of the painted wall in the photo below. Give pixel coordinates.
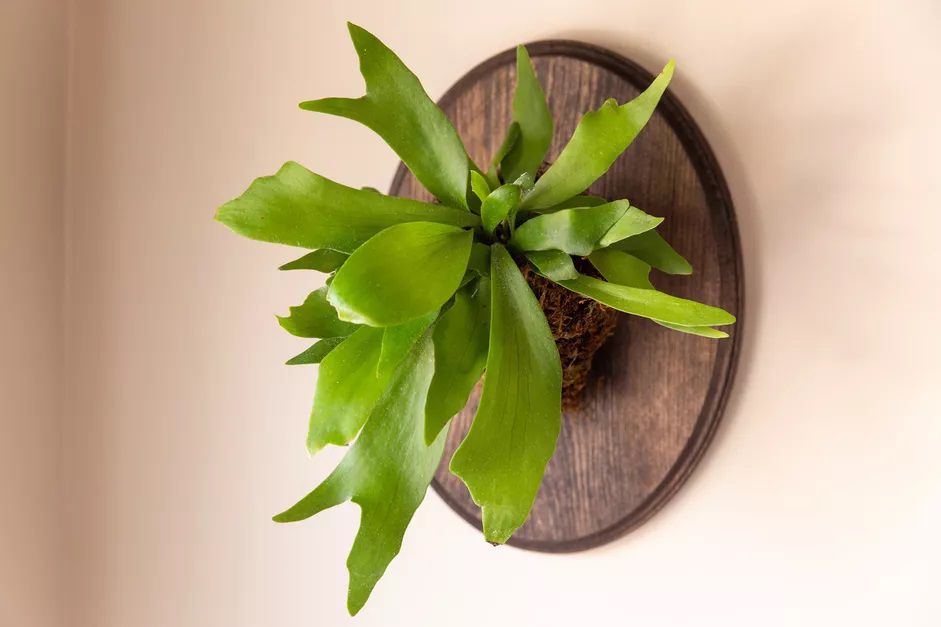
(32, 140)
(181, 434)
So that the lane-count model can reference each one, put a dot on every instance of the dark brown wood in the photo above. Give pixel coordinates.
(650, 412)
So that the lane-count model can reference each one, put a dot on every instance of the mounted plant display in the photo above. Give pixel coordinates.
(512, 266)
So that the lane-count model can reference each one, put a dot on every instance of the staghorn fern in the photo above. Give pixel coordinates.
(423, 298)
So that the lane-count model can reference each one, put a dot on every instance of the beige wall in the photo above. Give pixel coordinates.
(32, 138)
(181, 434)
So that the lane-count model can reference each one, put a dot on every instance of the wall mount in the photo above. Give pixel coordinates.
(650, 412)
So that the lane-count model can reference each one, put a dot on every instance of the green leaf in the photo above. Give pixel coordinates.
(469, 276)
(504, 455)
(479, 185)
(354, 376)
(300, 208)
(714, 334)
(460, 337)
(619, 267)
(575, 202)
(348, 387)
(633, 222)
(600, 137)
(553, 264)
(386, 472)
(653, 249)
(512, 136)
(397, 108)
(531, 113)
(582, 230)
(498, 205)
(397, 340)
(316, 353)
(479, 260)
(649, 303)
(624, 269)
(315, 318)
(323, 260)
(525, 181)
(406, 271)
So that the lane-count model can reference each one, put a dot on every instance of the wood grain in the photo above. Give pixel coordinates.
(656, 396)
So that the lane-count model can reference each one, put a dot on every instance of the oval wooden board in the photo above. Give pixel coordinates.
(656, 395)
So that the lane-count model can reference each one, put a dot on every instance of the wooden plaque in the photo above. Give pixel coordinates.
(655, 396)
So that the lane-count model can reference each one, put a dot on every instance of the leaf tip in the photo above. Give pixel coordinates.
(220, 214)
(354, 605)
(354, 29)
(362, 38)
(313, 447)
(497, 536)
